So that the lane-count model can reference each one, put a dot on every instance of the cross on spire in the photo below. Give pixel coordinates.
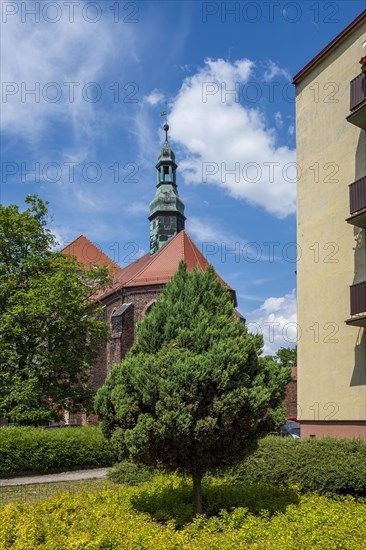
(166, 125)
(164, 113)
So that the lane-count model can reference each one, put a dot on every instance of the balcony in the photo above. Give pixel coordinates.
(358, 101)
(358, 305)
(357, 202)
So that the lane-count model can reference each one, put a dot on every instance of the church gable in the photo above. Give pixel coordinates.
(89, 254)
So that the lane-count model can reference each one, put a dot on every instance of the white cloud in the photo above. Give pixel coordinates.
(206, 231)
(143, 131)
(250, 297)
(278, 119)
(276, 319)
(186, 68)
(154, 97)
(216, 241)
(220, 135)
(59, 239)
(274, 71)
(59, 61)
(137, 208)
(291, 130)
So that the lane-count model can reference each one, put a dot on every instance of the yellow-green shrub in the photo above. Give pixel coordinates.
(109, 520)
(170, 498)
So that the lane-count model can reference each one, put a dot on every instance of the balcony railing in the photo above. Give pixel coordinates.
(358, 298)
(357, 195)
(358, 91)
(357, 203)
(358, 102)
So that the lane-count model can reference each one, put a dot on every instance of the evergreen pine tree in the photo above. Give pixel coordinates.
(192, 394)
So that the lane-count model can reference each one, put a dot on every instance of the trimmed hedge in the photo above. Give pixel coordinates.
(325, 465)
(39, 450)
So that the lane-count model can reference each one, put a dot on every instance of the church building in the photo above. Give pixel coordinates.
(137, 286)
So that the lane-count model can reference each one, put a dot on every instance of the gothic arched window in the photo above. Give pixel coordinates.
(149, 308)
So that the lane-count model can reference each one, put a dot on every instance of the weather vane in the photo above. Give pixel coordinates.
(166, 125)
(164, 113)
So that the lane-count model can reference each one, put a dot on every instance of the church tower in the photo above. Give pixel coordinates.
(166, 209)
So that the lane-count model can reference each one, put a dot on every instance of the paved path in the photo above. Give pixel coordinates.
(98, 473)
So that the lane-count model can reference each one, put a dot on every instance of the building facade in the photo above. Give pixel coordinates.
(331, 221)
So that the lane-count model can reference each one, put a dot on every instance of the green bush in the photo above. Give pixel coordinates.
(37, 449)
(325, 465)
(130, 473)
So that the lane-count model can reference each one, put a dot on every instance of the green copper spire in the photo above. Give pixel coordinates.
(166, 209)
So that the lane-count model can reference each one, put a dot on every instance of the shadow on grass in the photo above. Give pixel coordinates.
(171, 502)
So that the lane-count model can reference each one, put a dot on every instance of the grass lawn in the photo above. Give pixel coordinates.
(42, 491)
(157, 514)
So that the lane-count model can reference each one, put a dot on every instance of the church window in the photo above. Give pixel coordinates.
(150, 307)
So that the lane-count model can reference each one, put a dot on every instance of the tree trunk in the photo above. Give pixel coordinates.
(197, 494)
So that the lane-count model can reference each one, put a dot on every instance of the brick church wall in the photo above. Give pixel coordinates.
(128, 331)
(290, 401)
(140, 298)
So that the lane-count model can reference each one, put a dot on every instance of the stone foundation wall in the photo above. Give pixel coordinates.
(321, 428)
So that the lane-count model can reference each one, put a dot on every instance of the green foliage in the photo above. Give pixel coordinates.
(191, 392)
(50, 330)
(287, 356)
(116, 519)
(130, 473)
(28, 448)
(326, 465)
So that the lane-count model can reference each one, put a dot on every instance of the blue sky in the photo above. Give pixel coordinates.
(87, 138)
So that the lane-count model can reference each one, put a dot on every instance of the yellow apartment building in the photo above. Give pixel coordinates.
(331, 222)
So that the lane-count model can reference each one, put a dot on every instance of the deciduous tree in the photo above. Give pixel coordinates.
(287, 356)
(50, 329)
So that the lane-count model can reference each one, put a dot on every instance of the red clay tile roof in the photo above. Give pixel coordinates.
(161, 267)
(157, 269)
(88, 253)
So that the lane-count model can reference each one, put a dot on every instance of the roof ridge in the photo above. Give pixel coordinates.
(72, 242)
(159, 268)
(184, 242)
(153, 259)
(194, 248)
(134, 262)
